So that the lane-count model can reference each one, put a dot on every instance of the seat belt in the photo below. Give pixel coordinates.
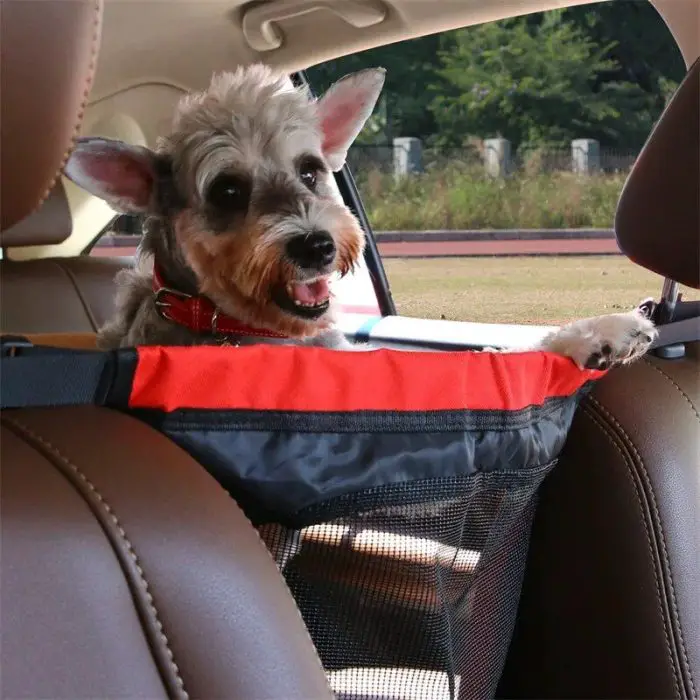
(40, 376)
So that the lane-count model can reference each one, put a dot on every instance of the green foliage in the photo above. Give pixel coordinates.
(601, 71)
(643, 49)
(465, 198)
(531, 85)
(410, 68)
(645, 57)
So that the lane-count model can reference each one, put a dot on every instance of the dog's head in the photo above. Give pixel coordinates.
(241, 193)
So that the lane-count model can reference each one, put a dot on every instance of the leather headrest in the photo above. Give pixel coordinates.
(49, 54)
(658, 216)
(51, 223)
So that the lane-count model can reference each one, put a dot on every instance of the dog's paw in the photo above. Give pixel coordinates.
(604, 341)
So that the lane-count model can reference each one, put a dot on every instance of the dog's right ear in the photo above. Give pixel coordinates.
(343, 110)
(123, 175)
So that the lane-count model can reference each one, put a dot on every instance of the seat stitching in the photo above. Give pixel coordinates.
(284, 580)
(682, 393)
(662, 538)
(81, 297)
(96, 25)
(57, 454)
(598, 421)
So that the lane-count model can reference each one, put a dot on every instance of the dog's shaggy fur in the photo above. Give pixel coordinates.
(239, 201)
(230, 197)
(240, 209)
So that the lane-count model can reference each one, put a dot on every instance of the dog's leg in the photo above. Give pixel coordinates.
(603, 341)
(134, 287)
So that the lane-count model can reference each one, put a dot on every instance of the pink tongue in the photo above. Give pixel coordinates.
(314, 293)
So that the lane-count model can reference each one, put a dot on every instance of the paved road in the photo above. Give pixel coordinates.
(449, 249)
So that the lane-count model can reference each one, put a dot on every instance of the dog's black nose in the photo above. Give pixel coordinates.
(313, 250)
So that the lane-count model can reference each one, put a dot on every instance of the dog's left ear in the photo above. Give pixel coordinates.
(344, 109)
(121, 174)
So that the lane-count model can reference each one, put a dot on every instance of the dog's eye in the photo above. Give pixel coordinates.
(229, 192)
(308, 176)
(309, 168)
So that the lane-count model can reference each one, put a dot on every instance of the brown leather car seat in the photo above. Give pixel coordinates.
(611, 601)
(57, 295)
(51, 295)
(126, 571)
(61, 294)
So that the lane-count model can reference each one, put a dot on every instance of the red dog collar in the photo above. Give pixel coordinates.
(199, 314)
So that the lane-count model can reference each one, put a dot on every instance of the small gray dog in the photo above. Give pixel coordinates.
(244, 230)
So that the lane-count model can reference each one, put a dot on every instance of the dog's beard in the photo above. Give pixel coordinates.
(306, 293)
(247, 275)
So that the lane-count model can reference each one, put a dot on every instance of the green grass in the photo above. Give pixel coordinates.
(547, 290)
(465, 198)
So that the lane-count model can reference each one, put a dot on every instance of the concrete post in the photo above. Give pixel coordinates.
(585, 156)
(497, 157)
(408, 156)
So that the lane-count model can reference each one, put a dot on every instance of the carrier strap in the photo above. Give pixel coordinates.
(39, 376)
(33, 376)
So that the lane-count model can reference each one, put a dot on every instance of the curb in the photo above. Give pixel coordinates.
(437, 236)
(539, 254)
(450, 236)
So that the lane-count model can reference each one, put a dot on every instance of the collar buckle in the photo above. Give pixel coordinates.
(162, 303)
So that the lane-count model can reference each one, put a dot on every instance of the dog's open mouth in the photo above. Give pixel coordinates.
(308, 299)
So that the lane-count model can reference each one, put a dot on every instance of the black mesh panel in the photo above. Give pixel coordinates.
(410, 591)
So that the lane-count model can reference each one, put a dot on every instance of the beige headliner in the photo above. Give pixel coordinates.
(154, 50)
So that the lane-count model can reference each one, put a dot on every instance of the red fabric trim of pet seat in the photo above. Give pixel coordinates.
(294, 378)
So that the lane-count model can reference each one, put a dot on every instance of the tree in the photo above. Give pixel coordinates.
(534, 83)
(644, 51)
(644, 55)
(410, 68)
(601, 71)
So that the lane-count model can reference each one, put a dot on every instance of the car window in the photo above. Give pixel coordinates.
(491, 169)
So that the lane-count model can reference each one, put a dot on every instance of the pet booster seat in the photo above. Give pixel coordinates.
(396, 489)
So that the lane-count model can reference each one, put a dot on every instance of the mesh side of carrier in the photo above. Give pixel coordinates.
(394, 489)
(411, 591)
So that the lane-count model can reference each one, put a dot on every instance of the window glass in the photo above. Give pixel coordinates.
(492, 166)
